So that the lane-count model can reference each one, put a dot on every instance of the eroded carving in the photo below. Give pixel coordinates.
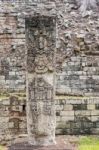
(40, 62)
(41, 45)
(41, 93)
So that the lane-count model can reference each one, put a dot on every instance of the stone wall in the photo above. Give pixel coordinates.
(12, 118)
(77, 53)
(77, 115)
(12, 48)
(77, 65)
(79, 76)
(73, 116)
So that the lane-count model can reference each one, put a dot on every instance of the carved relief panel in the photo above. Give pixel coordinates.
(40, 36)
(41, 44)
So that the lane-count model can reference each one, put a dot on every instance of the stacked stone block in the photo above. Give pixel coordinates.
(12, 48)
(77, 46)
(12, 119)
(77, 115)
(73, 116)
(79, 76)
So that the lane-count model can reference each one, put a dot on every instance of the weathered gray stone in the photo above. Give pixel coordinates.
(67, 113)
(67, 118)
(40, 84)
(77, 58)
(91, 106)
(68, 107)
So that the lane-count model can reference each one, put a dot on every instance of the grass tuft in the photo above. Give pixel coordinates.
(3, 148)
(89, 143)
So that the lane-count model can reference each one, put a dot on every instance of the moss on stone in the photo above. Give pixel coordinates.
(61, 97)
(5, 95)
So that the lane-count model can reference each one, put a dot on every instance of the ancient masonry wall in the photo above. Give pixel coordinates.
(77, 57)
(77, 64)
(12, 119)
(12, 48)
(41, 39)
(73, 116)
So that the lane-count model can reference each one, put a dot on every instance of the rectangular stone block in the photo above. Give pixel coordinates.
(68, 107)
(67, 118)
(2, 78)
(83, 112)
(12, 73)
(91, 106)
(20, 108)
(96, 77)
(97, 106)
(95, 113)
(59, 132)
(80, 107)
(61, 125)
(94, 118)
(83, 77)
(2, 81)
(6, 102)
(77, 58)
(58, 118)
(79, 72)
(95, 131)
(59, 107)
(67, 113)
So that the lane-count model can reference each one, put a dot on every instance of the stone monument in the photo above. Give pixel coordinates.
(40, 42)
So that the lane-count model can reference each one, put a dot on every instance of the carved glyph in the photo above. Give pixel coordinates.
(42, 64)
(40, 67)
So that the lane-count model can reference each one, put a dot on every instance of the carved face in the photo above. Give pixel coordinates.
(41, 64)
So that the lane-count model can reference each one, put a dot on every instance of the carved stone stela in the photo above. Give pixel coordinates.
(40, 39)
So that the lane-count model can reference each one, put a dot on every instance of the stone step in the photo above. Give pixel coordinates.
(26, 146)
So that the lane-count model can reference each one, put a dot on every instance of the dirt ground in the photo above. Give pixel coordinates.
(62, 143)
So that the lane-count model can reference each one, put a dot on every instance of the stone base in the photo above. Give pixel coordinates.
(62, 143)
(42, 141)
(26, 146)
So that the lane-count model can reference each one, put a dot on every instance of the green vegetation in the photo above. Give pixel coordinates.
(61, 97)
(89, 143)
(19, 95)
(2, 148)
